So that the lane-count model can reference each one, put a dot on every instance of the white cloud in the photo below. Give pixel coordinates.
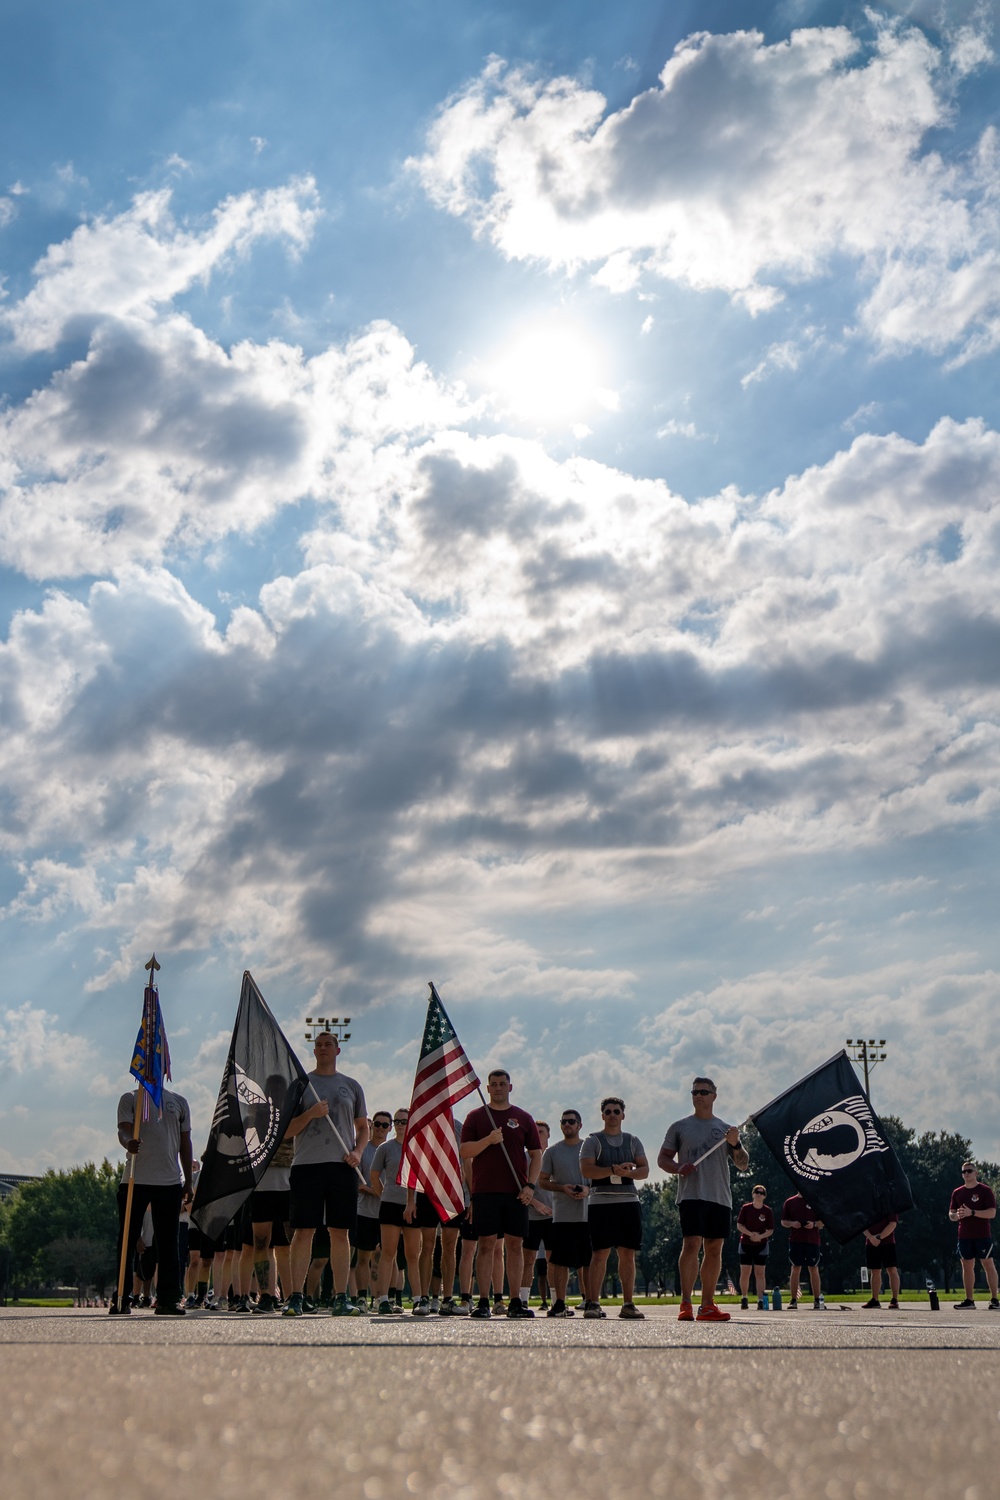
(748, 167)
(128, 266)
(32, 1038)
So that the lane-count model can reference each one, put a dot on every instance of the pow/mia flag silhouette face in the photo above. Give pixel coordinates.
(828, 1140)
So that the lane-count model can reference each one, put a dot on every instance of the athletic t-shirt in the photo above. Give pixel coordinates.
(977, 1196)
(562, 1163)
(279, 1169)
(385, 1164)
(346, 1098)
(367, 1202)
(490, 1170)
(157, 1162)
(605, 1151)
(757, 1220)
(690, 1138)
(879, 1225)
(796, 1207)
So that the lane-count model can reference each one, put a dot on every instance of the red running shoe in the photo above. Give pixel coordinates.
(686, 1314)
(709, 1313)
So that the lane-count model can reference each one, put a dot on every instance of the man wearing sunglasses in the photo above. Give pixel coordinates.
(569, 1232)
(973, 1208)
(704, 1196)
(613, 1161)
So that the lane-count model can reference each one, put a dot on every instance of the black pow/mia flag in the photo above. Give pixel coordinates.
(261, 1091)
(827, 1139)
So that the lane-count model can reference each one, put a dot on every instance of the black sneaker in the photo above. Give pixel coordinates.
(872, 1302)
(481, 1309)
(447, 1308)
(629, 1310)
(967, 1302)
(744, 1305)
(558, 1310)
(266, 1304)
(114, 1311)
(993, 1305)
(169, 1310)
(593, 1310)
(517, 1309)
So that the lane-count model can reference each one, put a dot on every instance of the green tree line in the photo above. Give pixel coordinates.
(61, 1229)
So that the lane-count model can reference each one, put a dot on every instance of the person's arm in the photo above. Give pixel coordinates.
(984, 1213)
(353, 1158)
(635, 1171)
(299, 1122)
(534, 1166)
(409, 1212)
(739, 1154)
(667, 1162)
(125, 1137)
(592, 1172)
(187, 1161)
(469, 1150)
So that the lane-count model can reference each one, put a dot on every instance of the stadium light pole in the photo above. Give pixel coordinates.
(868, 1053)
(332, 1024)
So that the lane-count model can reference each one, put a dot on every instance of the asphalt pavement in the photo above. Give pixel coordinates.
(831, 1406)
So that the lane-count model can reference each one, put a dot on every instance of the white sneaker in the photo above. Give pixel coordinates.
(435, 1304)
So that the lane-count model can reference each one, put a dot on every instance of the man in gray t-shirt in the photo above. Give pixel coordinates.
(569, 1238)
(704, 1195)
(161, 1164)
(324, 1176)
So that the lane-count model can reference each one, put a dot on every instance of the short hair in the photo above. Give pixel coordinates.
(759, 1187)
(543, 1125)
(969, 1164)
(382, 1114)
(709, 1081)
(498, 1073)
(574, 1112)
(612, 1099)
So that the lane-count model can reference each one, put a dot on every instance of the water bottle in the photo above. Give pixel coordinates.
(776, 1300)
(764, 1301)
(934, 1300)
(822, 1302)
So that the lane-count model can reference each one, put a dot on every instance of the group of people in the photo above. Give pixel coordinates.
(559, 1205)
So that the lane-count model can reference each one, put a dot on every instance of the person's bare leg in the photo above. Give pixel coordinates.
(283, 1257)
(449, 1257)
(759, 1274)
(711, 1269)
(466, 1261)
(626, 1270)
(514, 1248)
(814, 1282)
(498, 1268)
(745, 1279)
(893, 1274)
(414, 1260)
(559, 1277)
(598, 1270)
(300, 1256)
(427, 1238)
(387, 1259)
(485, 1262)
(263, 1259)
(793, 1283)
(687, 1265)
(876, 1275)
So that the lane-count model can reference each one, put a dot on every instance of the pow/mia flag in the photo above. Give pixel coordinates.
(827, 1139)
(261, 1091)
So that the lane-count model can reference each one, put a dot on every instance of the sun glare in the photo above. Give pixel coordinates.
(549, 374)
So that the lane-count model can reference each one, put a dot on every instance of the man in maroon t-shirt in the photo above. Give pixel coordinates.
(973, 1208)
(755, 1222)
(502, 1144)
(803, 1226)
(880, 1255)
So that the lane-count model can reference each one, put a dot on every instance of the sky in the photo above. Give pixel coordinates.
(508, 496)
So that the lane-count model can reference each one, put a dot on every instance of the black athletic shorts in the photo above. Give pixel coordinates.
(270, 1208)
(320, 1245)
(365, 1235)
(538, 1230)
(463, 1223)
(803, 1254)
(499, 1213)
(754, 1255)
(702, 1219)
(570, 1244)
(197, 1243)
(615, 1226)
(426, 1216)
(979, 1249)
(881, 1256)
(392, 1213)
(324, 1192)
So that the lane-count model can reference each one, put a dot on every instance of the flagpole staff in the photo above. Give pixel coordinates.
(152, 967)
(520, 1185)
(723, 1142)
(340, 1139)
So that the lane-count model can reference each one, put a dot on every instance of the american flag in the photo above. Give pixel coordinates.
(430, 1148)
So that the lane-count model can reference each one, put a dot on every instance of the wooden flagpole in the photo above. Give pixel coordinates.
(152, 966)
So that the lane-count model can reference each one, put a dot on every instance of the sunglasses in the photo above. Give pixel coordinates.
(708, 1092)
(380, 1124)
(967, 1171)
(568, 1120)
(614, 1111)
(403, 1121)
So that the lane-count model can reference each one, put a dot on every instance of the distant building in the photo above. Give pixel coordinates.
(11, 1181)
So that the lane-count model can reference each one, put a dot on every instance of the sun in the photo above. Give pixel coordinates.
(549, 374)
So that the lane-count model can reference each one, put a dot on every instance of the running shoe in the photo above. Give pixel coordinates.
(192, 1301)
(435, 1304)
(519, 1309)
(872, 1302)
(993, 1305)
(266, 1304)
(481, 1310)
(593, 1310)
(463, 1307)
(293, 1307)
(793, 1303)
(168, 1310)
(343, 1307)
(894, 1305)
(115, 1311)
(421, 1307)
(686, 1313)
(385, 1309)
(744, 1305)
(708, 1312)
(967, 1302)
(499, 1306)
(558, 1310)
(629, 1310)
(447, 1308)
